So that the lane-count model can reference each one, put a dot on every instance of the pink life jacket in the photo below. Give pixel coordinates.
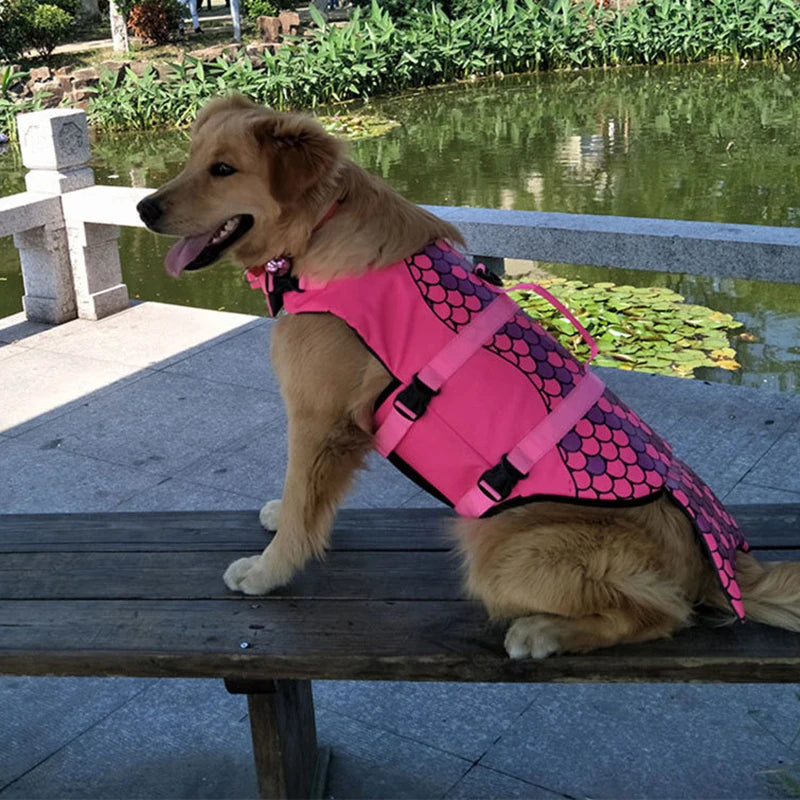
(486, 410)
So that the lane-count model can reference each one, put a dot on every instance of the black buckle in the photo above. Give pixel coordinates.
(488, 276)
(280, 285)
(414, 399)
(499, 481)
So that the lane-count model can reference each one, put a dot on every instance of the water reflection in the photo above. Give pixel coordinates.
(711, 142)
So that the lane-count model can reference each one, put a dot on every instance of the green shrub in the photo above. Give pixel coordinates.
(259, 8)
(376, 54)
(396, 9)
(72, 7)
(11, 85)
(155, 21)
(50, 27)
(28, 24)
(16, 19)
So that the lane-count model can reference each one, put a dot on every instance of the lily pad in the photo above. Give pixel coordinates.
(358, 126)
(650, 329)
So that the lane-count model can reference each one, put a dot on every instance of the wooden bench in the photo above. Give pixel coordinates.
(142, 595)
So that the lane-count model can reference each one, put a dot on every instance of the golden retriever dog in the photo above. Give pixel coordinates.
(567, 577)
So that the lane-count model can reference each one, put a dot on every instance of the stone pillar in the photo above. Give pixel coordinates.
(55, 148)
(96, 271)
(52, 144)
(46, 273)
(119, 28)
(237, 21)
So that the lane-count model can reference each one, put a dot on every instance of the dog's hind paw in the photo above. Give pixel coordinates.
(269, 515)
(534, 637)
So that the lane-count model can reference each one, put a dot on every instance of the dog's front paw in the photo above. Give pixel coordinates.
(249, 575)
(535, 636)
(269, 515)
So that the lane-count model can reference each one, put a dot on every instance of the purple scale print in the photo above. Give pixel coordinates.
(611, 454)
(455, 293)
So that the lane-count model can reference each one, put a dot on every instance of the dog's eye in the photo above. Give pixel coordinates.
(221, 169)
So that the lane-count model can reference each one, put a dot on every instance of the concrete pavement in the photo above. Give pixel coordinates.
(167, 408)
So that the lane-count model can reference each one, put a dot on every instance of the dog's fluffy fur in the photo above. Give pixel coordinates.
(568, 577)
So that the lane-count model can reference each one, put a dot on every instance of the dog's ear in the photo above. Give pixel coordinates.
(301, 154)
(221, 105)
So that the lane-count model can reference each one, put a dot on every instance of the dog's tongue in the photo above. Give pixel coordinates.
(183, 252)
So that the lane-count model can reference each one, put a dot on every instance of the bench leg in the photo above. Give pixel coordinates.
(284, 732)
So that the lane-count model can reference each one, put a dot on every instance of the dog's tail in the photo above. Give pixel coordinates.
(770, 591)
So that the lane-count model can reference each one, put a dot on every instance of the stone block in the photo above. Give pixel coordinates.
(138, 67)
(59, 181)
(55, 139)
(208, 53)
(52, 89)
(44, 237)
(269, 28)
(104, 303)
(87, 74)
(48, 309)
(96, 271)
(92, 235)
(290, 22)
(96, 268)
(81, 99)
(47, 274)
(38, 74)
(27, 210)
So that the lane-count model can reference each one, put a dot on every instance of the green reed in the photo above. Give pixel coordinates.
(376, 54)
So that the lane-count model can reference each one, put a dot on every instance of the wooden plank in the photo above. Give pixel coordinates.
(766, 526)
(306, 639)
(356, 529)
(198, 575)
(769, 525)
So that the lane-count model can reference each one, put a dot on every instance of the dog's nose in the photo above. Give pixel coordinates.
(149, 210)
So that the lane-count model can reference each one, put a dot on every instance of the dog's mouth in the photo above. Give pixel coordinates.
(196, 252)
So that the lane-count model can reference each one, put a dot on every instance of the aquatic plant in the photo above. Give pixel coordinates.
(649, 329)
(11, 85)
(357, 126)
(376, 54)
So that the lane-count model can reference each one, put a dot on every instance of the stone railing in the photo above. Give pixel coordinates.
(66, 229)
(70, 259)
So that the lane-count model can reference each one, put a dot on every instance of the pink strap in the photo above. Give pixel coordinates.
(557, 304)
(539, 440)
(257, 277)
(445, 364)
(469, 340)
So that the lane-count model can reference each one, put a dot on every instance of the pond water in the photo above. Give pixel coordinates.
(703, 142)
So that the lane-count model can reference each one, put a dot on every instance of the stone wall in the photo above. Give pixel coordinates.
(74, 86)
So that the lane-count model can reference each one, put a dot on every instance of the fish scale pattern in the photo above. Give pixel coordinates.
(611, 454)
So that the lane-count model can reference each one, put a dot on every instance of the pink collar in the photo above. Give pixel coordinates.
(275, 276)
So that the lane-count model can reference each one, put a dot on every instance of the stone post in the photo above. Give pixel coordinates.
(237, 21)
(52, 150)
(75, 265)
(96, 271)
(46, 273)
(119, 28)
